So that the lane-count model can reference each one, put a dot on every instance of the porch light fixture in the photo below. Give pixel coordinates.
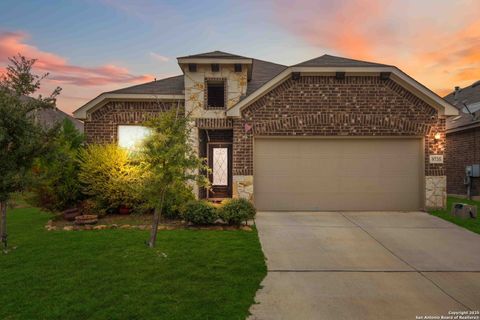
(437, 136)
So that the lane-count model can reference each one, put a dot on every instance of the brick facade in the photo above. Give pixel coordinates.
(326, 106)
(101, 125)
(463, 149)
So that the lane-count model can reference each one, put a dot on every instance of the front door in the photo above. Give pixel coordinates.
(220, 163)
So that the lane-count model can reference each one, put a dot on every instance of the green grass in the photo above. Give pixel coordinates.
(470, 224)
(111, 274)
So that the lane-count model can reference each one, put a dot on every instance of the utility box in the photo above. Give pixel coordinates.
(475, 170)
(464, 211)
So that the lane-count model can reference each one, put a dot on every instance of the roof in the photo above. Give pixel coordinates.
(172, 85)
(49, 117)
(464, 96)
(262, 75)
(333, 61)
(214, 54)
(262, 72)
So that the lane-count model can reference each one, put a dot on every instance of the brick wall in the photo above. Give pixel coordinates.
(463, 149)
(101, 125)
(325, 106)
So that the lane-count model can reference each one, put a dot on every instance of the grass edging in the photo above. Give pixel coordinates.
(470, 224)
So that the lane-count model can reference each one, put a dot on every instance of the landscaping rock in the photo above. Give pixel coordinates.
(100, 227)
(86, 219)
(87, 227)
(114, 226)
(125, 226)
(71, 214)
(68, 228)
(50, 228)
(246, 228)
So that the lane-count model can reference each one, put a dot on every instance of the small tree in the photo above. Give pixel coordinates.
(20, 137)
(169, 159)
(55, 182)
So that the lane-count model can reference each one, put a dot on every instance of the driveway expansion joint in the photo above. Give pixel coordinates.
(408, 264)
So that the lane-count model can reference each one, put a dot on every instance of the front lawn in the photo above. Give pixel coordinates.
(470, 224)
(111, 274)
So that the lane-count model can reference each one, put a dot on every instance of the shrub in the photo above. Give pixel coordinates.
(54, 178)
(200, 212)
(111, 176)
(236, 211)
(176, 200)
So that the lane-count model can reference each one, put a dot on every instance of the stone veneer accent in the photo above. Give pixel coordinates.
(326, 106)
(435, 191)
(101, 125)
(243, 187)
(195, 90)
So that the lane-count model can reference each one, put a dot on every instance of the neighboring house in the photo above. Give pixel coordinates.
(50, 117)
(327, 134)
(463, 139)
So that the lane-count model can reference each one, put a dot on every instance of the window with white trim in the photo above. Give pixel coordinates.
(131, 137)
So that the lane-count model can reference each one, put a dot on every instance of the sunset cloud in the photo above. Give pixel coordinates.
(437, 43)
(62, 72)
(159, 57)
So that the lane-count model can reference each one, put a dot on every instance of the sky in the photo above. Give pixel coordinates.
(92, 46)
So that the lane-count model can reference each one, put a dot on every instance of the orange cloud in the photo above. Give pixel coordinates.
(12, 43)
(436, 42)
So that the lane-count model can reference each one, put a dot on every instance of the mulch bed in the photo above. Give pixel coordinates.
(140, 222)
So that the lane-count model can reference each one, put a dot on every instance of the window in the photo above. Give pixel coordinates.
(215, 94)
(238, 67)
(130, 137)
(215, 67)
(220, 167)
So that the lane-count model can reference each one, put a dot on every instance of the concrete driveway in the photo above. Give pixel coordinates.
(365, 265)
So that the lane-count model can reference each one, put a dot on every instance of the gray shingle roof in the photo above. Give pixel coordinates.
(333, 61)
(172, 85)
(215, 54)
(262, 72)
(467, 95)
(52, 116)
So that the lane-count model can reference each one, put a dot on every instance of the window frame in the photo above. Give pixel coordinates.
(225, 92)
(133, 147)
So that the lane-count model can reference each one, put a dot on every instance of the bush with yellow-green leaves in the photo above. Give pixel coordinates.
(111, 176)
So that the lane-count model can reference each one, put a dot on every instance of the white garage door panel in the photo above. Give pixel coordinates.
(338, 174)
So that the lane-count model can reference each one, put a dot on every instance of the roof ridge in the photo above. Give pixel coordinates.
(339, 59)
(142, 84)
(278, 64)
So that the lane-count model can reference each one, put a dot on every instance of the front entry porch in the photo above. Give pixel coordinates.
(216, 147)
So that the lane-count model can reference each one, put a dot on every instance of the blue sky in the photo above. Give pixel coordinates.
(92, 46)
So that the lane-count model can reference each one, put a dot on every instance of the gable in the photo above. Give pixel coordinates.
(409, 84)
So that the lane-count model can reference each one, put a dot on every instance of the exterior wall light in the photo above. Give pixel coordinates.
(437, 136)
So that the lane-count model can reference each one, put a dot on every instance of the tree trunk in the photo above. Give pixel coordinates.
(156, 219)
(3, 223)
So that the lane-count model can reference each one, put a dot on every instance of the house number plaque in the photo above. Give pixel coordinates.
(436, 158)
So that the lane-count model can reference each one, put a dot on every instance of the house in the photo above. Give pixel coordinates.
(326, 134)
(463, 140)
(49, 117)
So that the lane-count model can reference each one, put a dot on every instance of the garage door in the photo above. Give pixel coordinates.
(338, 174)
